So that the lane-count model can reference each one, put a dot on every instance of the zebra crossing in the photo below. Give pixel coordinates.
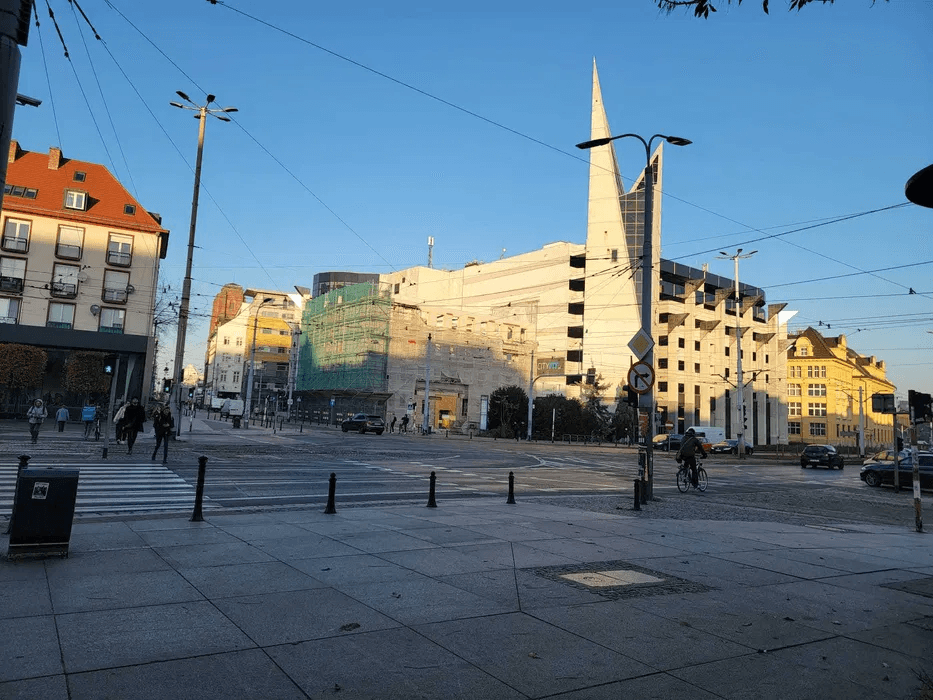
(116, 488)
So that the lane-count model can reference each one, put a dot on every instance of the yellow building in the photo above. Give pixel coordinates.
(829, 389)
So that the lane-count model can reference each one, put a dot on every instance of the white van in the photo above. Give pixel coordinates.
(709, 434)
(232, 408)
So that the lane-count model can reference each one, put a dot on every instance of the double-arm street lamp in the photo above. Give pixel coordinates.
(739, 378)
(202, 112)
(248, 411)
(646, 401)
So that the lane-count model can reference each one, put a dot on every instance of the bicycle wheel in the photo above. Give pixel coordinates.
(683, 481)
(701, 479)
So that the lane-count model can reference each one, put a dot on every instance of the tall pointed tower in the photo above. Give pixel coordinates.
(614, 244)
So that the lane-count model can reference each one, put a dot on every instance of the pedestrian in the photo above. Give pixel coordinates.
(163, 424)
(404, 428)
(88, 415)
(120, 422)
(392, 424)
(61, 415)
(36, 414)
(133, 418)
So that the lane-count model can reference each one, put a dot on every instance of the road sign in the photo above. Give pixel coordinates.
(289, 402)
(641, 377)
(641, 343)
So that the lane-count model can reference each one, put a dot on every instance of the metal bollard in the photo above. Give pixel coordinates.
(197, 516)
(431, 502)
(637, 494)
(331, 493)
(23, 463)
(511, 498)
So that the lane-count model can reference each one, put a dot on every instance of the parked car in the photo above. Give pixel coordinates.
(879, 472)
(363, 423)
(820, 456)
(885, 456)
(730, 446)
(667, 442)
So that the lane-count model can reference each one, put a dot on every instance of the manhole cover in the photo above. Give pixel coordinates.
(618, 579)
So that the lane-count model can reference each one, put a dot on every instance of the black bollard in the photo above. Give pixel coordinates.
(637, 494)
(644, 492)
(331, 493)
(431, 502)
(197, 516)
(23, 463)
(511, 498)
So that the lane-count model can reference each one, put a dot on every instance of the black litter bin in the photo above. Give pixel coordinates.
(43, 511)
(236, 421)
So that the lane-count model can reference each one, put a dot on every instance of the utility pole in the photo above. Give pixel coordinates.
(531, 392)
(427, 388)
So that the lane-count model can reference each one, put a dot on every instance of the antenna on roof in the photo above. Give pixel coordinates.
(430, 251)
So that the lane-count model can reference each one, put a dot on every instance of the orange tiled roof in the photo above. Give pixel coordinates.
(106, 197)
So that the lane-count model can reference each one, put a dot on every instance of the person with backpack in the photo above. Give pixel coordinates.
(36, 414)
(164, 425)
(688, 454)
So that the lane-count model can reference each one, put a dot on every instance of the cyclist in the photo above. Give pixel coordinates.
(687, 454)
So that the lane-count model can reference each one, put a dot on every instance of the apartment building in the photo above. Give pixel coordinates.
(79, 265)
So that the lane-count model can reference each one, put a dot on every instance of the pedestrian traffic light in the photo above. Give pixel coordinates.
(191, 392)
(110, 363)
(900, 443)
(167, 386)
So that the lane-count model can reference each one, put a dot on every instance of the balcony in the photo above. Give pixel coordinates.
(14, 244)
(118, 259)
(72, 252)
(11, 284)
(58, 324)
(118, 329)
(65, 290)
(8, 319)
(114, 296)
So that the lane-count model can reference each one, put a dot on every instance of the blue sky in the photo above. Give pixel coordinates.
(797, 119)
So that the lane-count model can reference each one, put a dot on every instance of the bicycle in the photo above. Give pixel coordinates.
(683, 478)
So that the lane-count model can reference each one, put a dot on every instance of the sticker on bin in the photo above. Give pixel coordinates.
(40, 490)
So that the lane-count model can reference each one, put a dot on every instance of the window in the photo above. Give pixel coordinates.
(16, 235)
(662, 363)
(662, 340)
(696, 368)
(396, 288)
(79, 176)
(680, 388)
(439, 321)
(754, 357)
(614, 255)
(793, 390)
(822, 371)
(727, 372)
(115, 286)
(818, 429)
(680, 365)
(681, 343)
(816, 409)
(696, 345)
(662, 387)
(20, 191)
(482, 327)
(60, 315)
(728, 351)
(111, 320)
(236, 377)
(226, 340)
(454, 321)
(796, 371)
(508, 334)
(239, 342)
(12, 275)
(793, 427)
(9, 310)
(75, 199)
(803, 351)
(265, 331)
(767, 359)
(70, 242)
(793, 408)
(129, 209)
(816, 390)
(223, 376)
(64, 281)
(120, 250)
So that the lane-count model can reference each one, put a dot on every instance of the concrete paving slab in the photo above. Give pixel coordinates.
(48, 688)
(870, 580)
(240, 674)
(836, 559)
(385, 541)
(349, 569)
(418, 600)
(112, 638)
(246, 579)
(111, 591)
(908, 638)
(251, 532)
(31, 596)
(163, 523)
(624, 547)
(394, 663)
(687, 542)
(530, 655)
(330, 526)
(298, 616)
(29, 648)
(776, 561)
(218, 554)
(204, 534)
(307, 546)
(713, 572)
(101, 536)
(25, 569)
(577, 550)
(511, 532)
(657, 686)
(520, 590)
(438, 562)
(449, 535)
(104, 562)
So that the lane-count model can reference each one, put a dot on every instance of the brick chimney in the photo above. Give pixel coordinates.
(14, 151)
(55, 158)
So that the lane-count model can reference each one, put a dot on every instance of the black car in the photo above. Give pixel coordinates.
(363, 423)
(730, 446)
(882, 472)
(667, 442)
(820, 456)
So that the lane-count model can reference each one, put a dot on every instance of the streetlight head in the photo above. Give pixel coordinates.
(724, 254)
(223, 119)
(678, 141)
(738, 251)
(593, 144)
(210, 98)
(177, 104)
(229, 109)
(183, 95)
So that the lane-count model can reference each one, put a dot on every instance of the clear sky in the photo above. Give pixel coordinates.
(364, 127)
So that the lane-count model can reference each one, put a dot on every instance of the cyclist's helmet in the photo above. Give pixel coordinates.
(691, 431)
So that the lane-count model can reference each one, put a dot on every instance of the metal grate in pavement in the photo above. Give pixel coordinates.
(618, 579)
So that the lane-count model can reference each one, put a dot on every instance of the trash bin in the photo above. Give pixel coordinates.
(236, 421)
(43, 511)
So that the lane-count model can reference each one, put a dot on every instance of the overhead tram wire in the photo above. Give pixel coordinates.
(48, 81)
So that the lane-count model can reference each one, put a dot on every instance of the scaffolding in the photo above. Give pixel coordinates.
(345, 341)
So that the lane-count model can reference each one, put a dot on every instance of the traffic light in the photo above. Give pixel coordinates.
(744, 417)
(631, 397)
(167, 386)
(921, 406)
(900, 443)
(191, 392)
(110, 364)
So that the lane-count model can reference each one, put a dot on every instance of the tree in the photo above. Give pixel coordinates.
(84, 373)
(702, 8)
(508, 410)
(595, 413)
(21, 367)
(567, 415)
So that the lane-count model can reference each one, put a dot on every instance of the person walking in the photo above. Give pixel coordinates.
(61, 416)
(36, 414)
(120, 422)
(164, 425)
(404, 428)
(133, 418)
(392, 424)
(88, 415)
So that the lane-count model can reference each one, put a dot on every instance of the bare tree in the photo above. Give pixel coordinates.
(702, 8)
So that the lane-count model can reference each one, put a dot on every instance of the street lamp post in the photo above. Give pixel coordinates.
(202, 112)
(646, 400)
(739, 379)
(252, 365)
